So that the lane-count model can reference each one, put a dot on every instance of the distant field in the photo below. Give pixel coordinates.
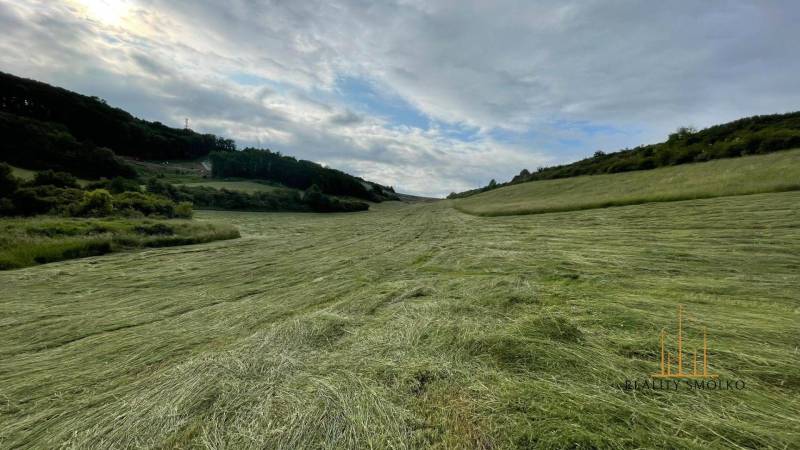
(746, 175)
(27, 175)
(244, 186)
(413, 326)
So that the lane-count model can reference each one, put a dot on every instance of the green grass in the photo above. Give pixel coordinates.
(28, 175)
(774, 172)
(39, 240)
(244, 186)
(413, 326)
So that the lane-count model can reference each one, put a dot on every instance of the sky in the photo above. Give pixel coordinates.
(427, 96)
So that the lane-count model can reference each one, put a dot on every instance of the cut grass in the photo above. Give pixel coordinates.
(39, 240)
(776, 172)
(413, 326)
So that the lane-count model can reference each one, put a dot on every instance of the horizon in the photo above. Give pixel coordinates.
(537, 86)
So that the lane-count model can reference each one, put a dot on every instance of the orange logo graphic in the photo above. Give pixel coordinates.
(672, 365)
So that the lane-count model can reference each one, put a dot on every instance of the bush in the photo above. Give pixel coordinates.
(8, 183)
(183, 210)
(96, 203)
(57, 179)
(46, 199)
(147, 204)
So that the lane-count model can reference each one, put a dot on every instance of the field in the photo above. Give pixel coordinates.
(774, 172)
(413, 326)
(244, 186)
(30, 241)
(27, 175)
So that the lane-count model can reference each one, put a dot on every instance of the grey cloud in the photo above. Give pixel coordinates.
(346, 118)
(508, 65)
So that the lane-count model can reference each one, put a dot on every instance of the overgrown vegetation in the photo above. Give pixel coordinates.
(414, 326)
(299, 174)
(58, 193)
(280, 199)
(748, 136)
(748, 175)
(31, 241)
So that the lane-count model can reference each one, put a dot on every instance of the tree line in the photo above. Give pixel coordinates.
(311, 200)
(291, 172)
(91, 120)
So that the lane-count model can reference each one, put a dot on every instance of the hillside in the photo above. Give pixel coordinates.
(299, 174)
(746, 175)
(413, 326)
(90, 119)
(747, 136)
(46, 127)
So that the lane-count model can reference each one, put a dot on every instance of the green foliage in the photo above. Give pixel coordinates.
(749, 136)
(57, 179)
(271, 200)
(40, 240)
(8, 182)
(30, 201)
(38, 145)
(89, 119)
(119, 185)
(184, 210)
(97, 203)
(299, 174)
(145, 203)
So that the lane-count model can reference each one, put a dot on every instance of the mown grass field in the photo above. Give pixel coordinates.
(774, 172)
(244, 186)
(413, 326)
(44, 239)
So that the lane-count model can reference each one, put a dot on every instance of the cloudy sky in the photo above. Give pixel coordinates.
(427, 96)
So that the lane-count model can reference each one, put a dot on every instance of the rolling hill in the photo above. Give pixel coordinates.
(748, 136)
(46, 127)
(746, 175)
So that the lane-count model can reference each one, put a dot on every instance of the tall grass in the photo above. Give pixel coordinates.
(413, 326)
(776, 172)
(39, 240)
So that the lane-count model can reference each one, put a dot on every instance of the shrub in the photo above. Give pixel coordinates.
(96, 203)
(119, 185)
(8, 183)
(45, 199)
(57, 179)
(184, 210)
(147, 204)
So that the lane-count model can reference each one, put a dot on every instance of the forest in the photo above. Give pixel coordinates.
(91, 120)
(299, 174)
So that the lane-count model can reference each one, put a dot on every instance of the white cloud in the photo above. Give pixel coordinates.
(538, 83)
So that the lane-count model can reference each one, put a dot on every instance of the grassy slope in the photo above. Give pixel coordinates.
(27, 175)
(42, 239)
(244, 186)
(413, 326)
(750, 174)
